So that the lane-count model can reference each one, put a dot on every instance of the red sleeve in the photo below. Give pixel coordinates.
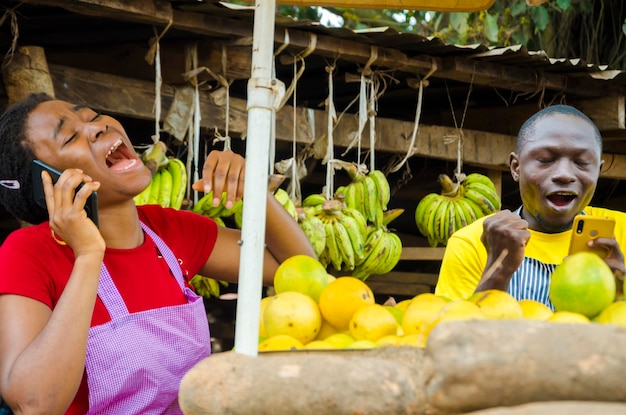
(190, 236)
(33, 265)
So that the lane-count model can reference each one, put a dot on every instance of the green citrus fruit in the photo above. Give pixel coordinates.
(582, 283)
(303, 274)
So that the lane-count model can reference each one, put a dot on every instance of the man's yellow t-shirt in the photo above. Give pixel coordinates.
(465, 258)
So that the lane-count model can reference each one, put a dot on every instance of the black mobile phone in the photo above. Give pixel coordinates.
(91, 206)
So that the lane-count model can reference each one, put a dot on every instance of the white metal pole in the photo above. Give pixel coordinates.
(261, 99)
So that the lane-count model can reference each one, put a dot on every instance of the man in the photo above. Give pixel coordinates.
(557, 164)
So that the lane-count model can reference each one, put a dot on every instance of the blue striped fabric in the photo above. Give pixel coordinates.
(531, 281)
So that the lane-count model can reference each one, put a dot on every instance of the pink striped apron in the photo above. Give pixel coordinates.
(135, 361)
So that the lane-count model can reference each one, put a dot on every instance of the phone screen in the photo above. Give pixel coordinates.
(91, 206)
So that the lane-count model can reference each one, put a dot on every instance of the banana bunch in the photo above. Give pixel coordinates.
(218, 213)
(368, 193)
(168, 185)
(207, 287)
(344, 235)
(285, 200)
(381, 253)
(438, 216)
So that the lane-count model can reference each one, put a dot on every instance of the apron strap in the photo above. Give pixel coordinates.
(108, 292)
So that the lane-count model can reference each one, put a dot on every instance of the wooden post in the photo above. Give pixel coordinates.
(25, 72)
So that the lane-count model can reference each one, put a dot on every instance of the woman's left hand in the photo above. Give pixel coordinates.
(223, 171)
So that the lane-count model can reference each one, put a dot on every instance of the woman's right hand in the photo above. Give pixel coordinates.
(66, 210)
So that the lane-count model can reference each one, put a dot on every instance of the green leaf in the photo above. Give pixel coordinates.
(624, 27)
(564, 4)
(540, 18)
(491, 27)
(458, 21)
(519, 8)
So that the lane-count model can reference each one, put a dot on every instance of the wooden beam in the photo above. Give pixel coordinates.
(607, 113)
(135, 98)
(26, 72)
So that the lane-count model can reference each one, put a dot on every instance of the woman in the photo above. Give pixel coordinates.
(101, 319)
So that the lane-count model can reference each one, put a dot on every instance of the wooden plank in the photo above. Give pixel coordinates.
(26, 72)
(411, 253)
(402, 283)
(607, 113)
(135, 98)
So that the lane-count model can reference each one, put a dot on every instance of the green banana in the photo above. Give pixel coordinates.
(205, 286)
(372, 203)
(334, 254)
(143, 197)
(313, 200)
(372, 239)
(431, 219)
(424, 207)
(394, 250)
(165, 190)
(489, 193)
(349, 196)
(359, 197)
(155, 190)
(475, 209)
(372, 261)
(481, 200)
(473, 178)
(313, 228)
(391, 215)
(179, 182)
(356, 235)
(344, 243)
(382, 185)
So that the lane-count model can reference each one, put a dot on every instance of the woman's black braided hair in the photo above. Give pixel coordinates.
(16, 156)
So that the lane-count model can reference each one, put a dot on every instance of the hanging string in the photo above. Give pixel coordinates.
(332, 117)
(418, 114)
(226, 85)
(458, 173)
(153, 56)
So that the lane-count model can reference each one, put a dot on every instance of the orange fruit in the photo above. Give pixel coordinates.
(341, 298)
(497, 304)
(422, 309)
(534, 310)
(303, 274)
(294, 314)
(583, 283)
(279, 342)
(371, 322)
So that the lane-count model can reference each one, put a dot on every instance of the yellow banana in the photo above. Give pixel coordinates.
(179, 182)
(349, 196)
(357, 235)
(345, 245)
(205, 286)
(358, 217)
(392, 257)
(165, 190)
(372, 239)
(155, 188)
(332, 249)
(382, 185)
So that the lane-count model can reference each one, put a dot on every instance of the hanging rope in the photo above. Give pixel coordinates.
(226, 85)
(153, 56)
(458, 173)
(332, 117)
(418, 113)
